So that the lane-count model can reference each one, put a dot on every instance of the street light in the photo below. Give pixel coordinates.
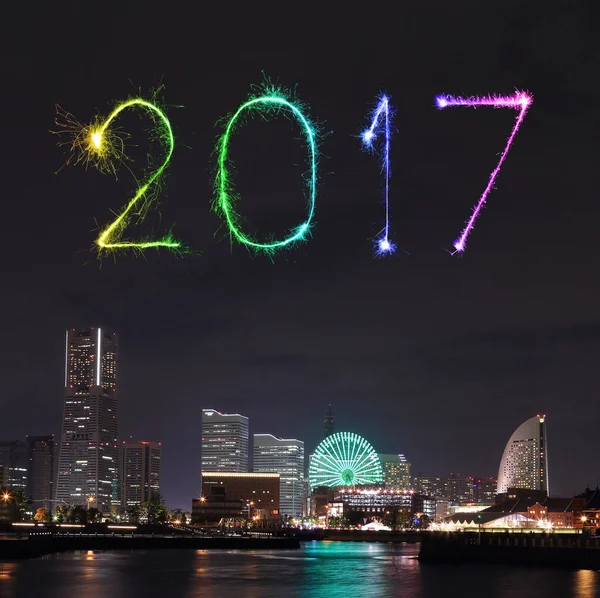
(90, 500)
(6, 497)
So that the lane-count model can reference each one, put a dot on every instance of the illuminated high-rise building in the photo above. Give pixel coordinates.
(141, 469)
(88, 466)
(14, 465)
(42, 471)
(524, 462)
(224, 442)
(284, 456)
(396, 472)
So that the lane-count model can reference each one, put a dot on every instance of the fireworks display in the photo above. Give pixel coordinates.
(520, 101)
(272, 101)
(384, 245)
(102, 145)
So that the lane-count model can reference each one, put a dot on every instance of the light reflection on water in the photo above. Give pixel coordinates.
(318, 569)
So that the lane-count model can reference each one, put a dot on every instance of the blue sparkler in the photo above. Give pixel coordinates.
(384, 245)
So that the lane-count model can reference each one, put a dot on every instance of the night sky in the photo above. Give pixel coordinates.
(433, 356)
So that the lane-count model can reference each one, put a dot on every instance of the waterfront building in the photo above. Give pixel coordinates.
(88, 465)
(524, 463)
(224, 442)
(284, 456)
(528, 512)
(396, 471)
(443, 509)
(14, 464)
(224, 495)
(141, 469)
(41, 476)
(358, 504)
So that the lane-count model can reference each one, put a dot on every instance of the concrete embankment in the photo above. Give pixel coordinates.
(36, 547)
(568, 551)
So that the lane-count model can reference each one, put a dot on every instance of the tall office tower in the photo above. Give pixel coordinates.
(224, 442)
(396, 472)
(13, 465)
(141, 468)
(88, 466)
(284, 456)
(329, 422)
(524, 462)
(42, 471)
(429, 485)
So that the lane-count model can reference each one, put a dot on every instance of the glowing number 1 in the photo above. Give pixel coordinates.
(520, 101)
(383, 241)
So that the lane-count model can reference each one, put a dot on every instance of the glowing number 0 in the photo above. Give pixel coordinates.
(272, 102)
(521, 101)
(383, 242)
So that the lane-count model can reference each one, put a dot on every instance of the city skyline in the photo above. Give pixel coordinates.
(91, 361)
(91, 369)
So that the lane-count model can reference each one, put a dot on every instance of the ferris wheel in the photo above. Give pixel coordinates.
(344, 459)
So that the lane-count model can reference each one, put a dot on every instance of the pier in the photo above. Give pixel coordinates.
(564, 550)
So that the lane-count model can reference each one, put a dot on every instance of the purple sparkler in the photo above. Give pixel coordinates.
(384, 245)
(520, 101)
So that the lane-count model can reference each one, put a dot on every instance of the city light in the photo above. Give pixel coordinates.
(344, 459)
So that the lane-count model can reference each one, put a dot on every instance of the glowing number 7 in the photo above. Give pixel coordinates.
(383, 242)
(520, 101)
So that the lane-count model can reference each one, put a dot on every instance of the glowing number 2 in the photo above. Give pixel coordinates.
(100, 142)
(383, 242)
(520, 101)
(272, 102)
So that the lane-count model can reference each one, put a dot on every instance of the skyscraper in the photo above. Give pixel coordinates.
(141, 469)
(329, 422)
(524, 462)
(42, 471)
(284, 456)
(14, 465)
(224, 442)
(396, 472)
(88, 467)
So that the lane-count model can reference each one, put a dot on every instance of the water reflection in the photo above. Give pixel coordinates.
(586, 584)
(318, 569)
(8, 579)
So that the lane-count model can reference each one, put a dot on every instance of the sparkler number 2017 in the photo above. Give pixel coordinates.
(102, 145)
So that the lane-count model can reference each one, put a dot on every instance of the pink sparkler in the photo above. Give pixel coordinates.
(520, 101)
